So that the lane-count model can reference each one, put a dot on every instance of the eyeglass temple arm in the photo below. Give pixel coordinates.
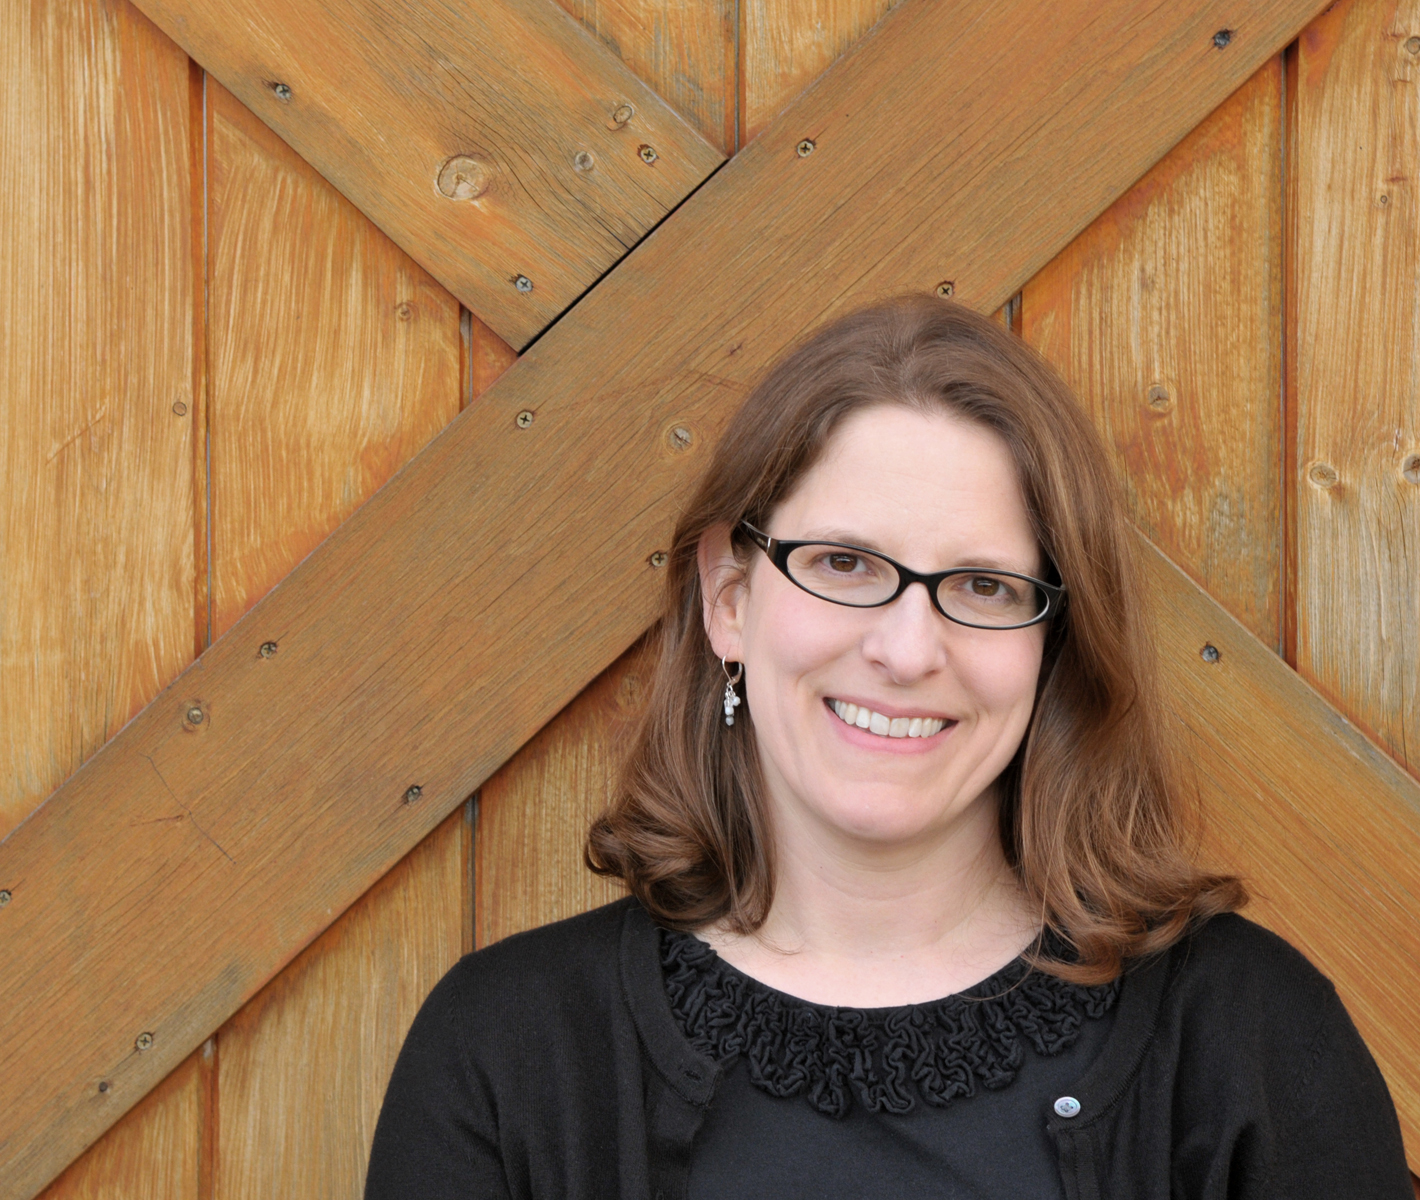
(761, 539)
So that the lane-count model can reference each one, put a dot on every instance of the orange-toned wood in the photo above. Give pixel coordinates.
(534, 813)
(97, 331)
(304, 1065)
(96, 309)
(1356, 367)
(440, 626)
(334, 359)
(457, 128)
(787, 44)
(1165, 317)
(686, 54)
(1323, 823)
(155, 1150)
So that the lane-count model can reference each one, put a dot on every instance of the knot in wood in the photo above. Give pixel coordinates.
(1323, 475)
(621, 114)
(1410, 469)
(463, 177)
(1413, 45)
(583, 161)
(1159, 399)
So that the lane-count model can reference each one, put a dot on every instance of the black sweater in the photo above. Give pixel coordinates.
(550, 1065)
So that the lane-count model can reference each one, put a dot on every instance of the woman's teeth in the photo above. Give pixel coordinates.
(875, 722)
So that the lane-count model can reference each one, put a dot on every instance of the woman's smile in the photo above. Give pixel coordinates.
(885, 724)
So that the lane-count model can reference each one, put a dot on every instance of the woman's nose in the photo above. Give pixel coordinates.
(906, 640)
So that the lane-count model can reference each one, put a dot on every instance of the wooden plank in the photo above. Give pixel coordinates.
(440, 626)
(533, 815)
(1323, 823)
(1356, 366)
(155, 1150)
(334, 359)
(305, 1064)
(1165, 318)
(96, 503)
(787, 44)
(96, 486)
(386, 98)
(685, 53)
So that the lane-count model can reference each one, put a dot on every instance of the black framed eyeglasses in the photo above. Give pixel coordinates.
(861, 578)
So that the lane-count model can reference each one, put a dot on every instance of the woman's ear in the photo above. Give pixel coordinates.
(723, 590)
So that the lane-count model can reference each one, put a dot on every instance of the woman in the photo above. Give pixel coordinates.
(912, 913)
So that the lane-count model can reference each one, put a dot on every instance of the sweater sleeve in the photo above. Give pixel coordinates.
(437, 1135)
(1337, 1135)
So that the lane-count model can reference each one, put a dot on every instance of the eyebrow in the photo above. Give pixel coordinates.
(987, 562)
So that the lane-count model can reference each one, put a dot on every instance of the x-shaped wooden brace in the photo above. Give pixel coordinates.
(514, 558)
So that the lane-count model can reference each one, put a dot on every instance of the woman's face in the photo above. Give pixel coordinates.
(933, 492)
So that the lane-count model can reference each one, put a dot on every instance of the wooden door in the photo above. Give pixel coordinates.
(213, 358)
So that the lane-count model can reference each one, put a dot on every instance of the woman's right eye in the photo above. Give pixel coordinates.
(844, 564)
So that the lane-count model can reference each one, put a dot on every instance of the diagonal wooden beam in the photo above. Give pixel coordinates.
(460, 608)
(499, 144)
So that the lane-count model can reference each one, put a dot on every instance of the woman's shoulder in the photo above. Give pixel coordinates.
(1233, 964)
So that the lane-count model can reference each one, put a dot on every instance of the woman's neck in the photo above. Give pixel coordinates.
(868, 925)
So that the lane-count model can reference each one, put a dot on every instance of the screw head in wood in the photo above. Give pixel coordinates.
(648, 154)
(4, 897)
(103, 1085)
(1222, 38)
(658, 559)
(195, 715)
(404, 311)
(945, 289)
(1210, 653)
(523, 284)
(805, 148)
(621, 114)
(463, 177)
(1410, 469)
(179, 408)
(412, 793)
(144, 1041)
(583, 161)
(267, 649)
(1322, 475)
(1413, 45)
(282, 90)
(680, 438)
(524, 418)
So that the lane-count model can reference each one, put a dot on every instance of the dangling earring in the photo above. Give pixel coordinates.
(732, 699)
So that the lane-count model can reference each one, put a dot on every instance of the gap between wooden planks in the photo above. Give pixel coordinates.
(500, 145)
(461, 608)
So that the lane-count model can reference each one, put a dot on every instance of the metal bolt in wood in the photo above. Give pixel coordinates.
(1222, 38)
(681, 438)
(144, 1041)
(1210, 653)
(524, 418)
(658, 559)
(195, 715)
(267, 649)
(804, 148)
(622, 114)
(412, 793)
(1413, 45)
(648, 154)
(523, 284)
(583, 161)
(4, 897)
(282, 90)
(946, 288)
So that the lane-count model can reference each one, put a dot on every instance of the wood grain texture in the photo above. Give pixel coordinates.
(381, 95)
(685, 53)
(1356, 367)
(450, 586)
(154, 1151)
(534, 813)
(96, 304)
(1165, 317)
(1323, 823)
(787, 44)
(334, 359)
(305, 1064)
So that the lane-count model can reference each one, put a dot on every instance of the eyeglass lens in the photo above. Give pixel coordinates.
(862, 580)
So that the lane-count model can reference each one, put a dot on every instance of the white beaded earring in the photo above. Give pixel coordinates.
(732, 699)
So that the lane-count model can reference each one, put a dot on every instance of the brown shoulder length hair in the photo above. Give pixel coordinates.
(1093, 818)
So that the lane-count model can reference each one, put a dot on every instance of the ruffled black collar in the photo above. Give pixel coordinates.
(885, 1057)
